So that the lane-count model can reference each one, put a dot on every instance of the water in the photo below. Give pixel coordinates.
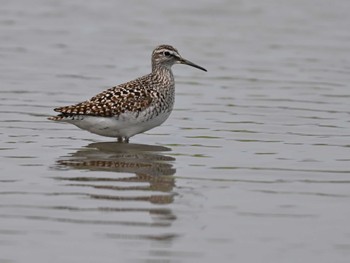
(252, 166)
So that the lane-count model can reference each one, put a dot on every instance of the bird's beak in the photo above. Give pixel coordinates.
(187, 62)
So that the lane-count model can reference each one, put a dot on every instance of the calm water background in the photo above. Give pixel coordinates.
(252, 166)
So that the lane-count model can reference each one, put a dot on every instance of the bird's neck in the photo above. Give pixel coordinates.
(163, 73)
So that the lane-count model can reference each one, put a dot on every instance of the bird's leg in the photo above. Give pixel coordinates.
(123, 139)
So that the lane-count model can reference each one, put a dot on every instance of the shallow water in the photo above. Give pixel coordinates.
(252, 165)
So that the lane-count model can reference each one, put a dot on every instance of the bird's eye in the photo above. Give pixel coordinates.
(166, 53)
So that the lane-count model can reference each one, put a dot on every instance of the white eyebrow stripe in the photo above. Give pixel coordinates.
(164, 50)
(167, 50)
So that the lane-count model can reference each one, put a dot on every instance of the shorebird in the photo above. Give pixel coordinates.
(133, 107)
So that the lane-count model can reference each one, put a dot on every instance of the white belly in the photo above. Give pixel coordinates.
(126, 125)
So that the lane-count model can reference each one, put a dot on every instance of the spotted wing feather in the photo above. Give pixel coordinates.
(130, 96)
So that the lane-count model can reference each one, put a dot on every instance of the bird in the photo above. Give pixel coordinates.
(132, 107)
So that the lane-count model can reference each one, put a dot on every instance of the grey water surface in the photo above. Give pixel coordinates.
(253, 165)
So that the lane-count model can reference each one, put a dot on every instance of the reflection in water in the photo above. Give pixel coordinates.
(131, 181)
(145, 162)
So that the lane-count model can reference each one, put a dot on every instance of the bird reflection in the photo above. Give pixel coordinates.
(152, 171)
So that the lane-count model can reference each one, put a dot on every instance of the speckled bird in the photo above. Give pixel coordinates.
(133, 107)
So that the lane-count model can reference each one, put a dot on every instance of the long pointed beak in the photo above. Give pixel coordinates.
(187, 62)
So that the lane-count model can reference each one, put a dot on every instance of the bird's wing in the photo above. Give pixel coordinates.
(131, 96)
